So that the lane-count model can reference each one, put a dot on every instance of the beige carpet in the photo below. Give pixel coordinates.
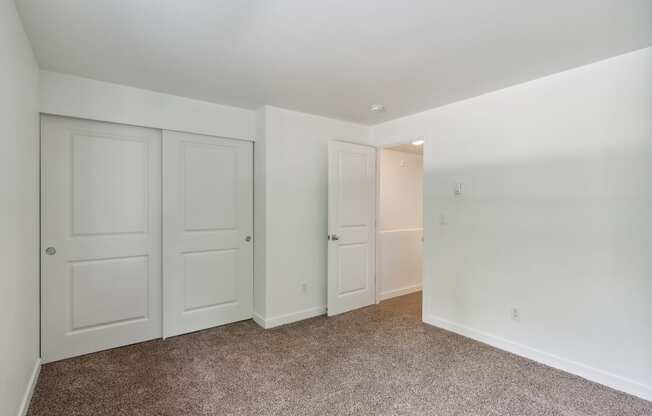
(379, 360)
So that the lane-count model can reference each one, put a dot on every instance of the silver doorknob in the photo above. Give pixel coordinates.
(248, 238)
(50, 251)
(335, 237)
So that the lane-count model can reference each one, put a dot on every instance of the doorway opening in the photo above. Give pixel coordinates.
(399, 228)
(375, 226)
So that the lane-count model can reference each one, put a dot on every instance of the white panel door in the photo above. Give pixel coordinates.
(351, 225)
(207, 231)
(101, 236)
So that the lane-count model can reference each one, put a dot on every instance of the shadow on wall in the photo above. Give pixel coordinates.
(564, 238)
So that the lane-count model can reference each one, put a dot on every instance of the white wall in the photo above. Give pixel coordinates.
(68, 95)
(291, 232)
(400, 223)
(556, 219)
(19, 121)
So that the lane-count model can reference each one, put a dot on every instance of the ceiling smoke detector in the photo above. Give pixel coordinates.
(377, 108)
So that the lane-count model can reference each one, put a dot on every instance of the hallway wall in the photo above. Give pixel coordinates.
(400, 223)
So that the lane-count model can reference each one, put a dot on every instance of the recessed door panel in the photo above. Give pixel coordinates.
(210, 187)
(208, 224)
(353, 198)
(211, 279)
(101, 236)
(353, 273)
(108, 291)
(107, 200)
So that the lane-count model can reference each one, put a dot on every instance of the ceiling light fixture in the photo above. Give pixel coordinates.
(418, 142)
(377, 108)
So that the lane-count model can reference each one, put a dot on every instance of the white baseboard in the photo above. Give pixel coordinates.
(585, 371)
(388, 294)
(259, 320)
(27, 397)
(289, 318)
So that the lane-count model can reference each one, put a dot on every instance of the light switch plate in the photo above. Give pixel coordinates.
(459, 189)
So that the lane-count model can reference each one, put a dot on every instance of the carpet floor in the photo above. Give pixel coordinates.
(379, 360)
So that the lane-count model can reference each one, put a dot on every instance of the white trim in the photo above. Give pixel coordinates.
(27, 398)
(288, 318)
(377, 251)
(400, 230)
(259, 320)
(399, 292)
(585, 371)
(73, 96)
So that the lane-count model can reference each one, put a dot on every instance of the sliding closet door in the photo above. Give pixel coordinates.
(207, 237)
(101, 236)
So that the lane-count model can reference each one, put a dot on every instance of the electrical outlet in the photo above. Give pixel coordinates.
(304, 287)
(516, 314)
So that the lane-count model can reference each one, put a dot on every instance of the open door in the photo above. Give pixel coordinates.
(351, 226)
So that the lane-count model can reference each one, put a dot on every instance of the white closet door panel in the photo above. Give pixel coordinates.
(208, 225)
(101, 212)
